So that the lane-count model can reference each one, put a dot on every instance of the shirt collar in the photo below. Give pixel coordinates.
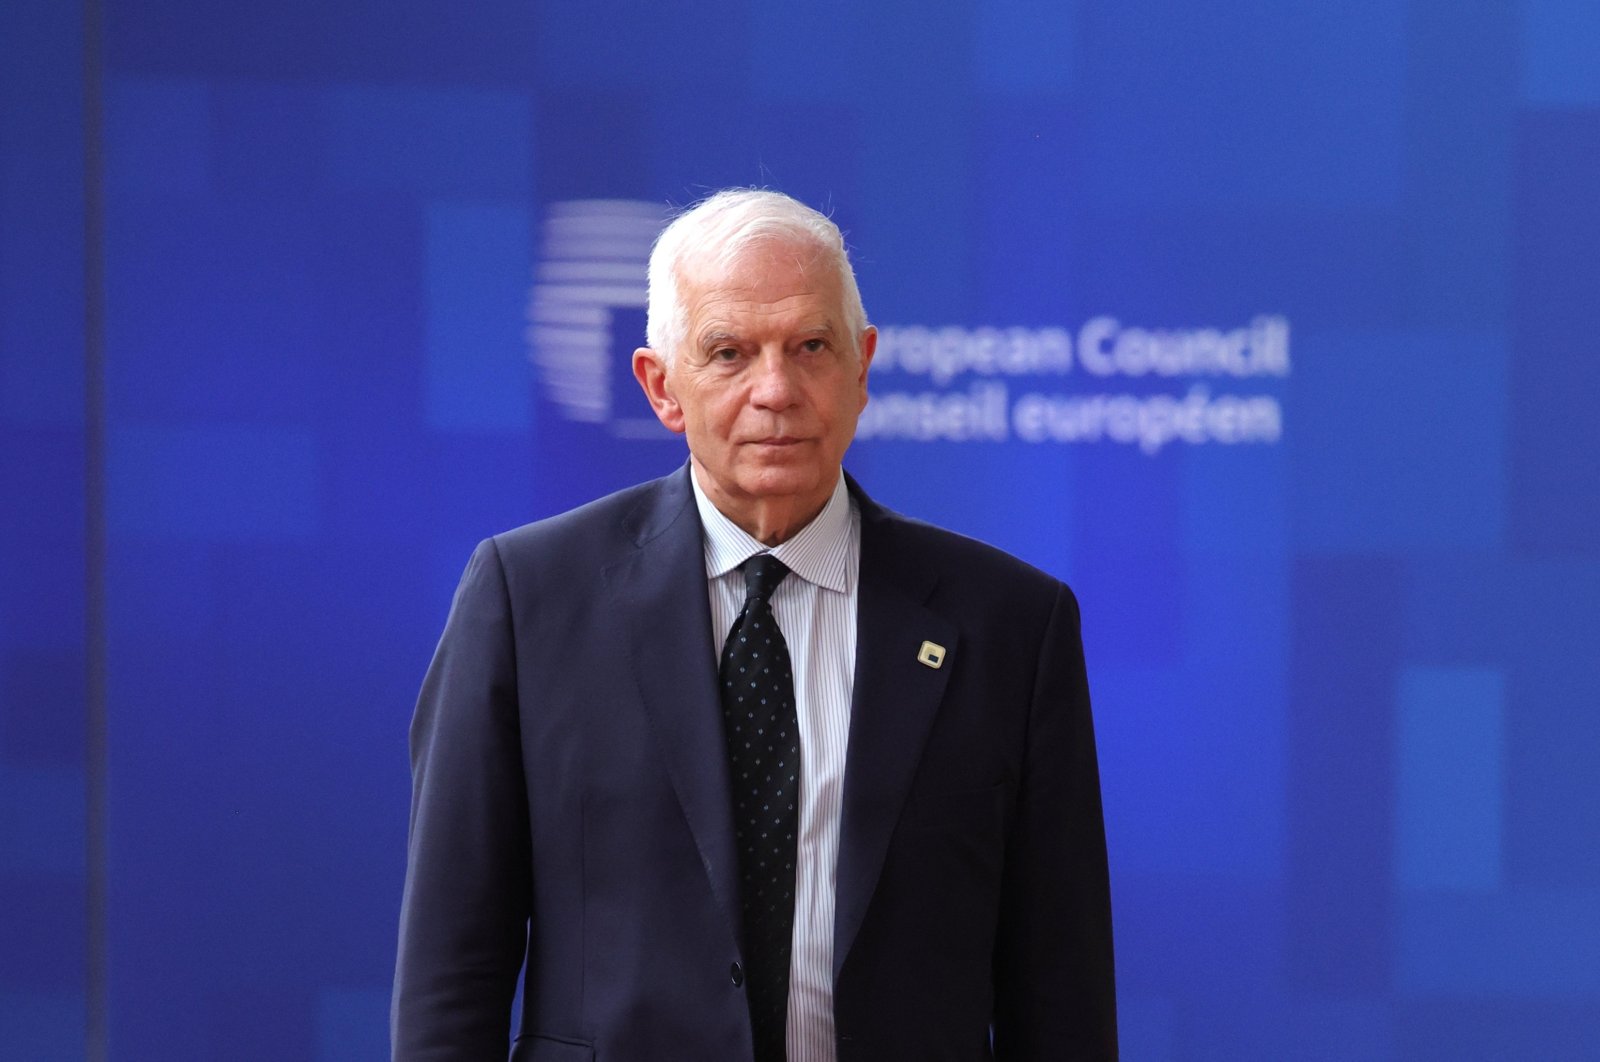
(819, 552)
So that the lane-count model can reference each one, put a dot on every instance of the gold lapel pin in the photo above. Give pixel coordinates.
(931, 655)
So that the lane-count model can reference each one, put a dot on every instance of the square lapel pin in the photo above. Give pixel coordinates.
(931, 655)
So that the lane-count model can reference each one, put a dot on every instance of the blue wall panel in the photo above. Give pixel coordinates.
(1399, 442)
(1561, 53)
(44, 583)
(1555, 488)
(1344, 668)
(1450, 780)
(436, 141)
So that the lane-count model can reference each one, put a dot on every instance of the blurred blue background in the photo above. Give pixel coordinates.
(288, 321)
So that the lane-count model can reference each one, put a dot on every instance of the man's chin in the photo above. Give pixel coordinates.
(776, 481)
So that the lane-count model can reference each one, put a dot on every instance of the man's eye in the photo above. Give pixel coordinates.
(814, 346)
(724, 354)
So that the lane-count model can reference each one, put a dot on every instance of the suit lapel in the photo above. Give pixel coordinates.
(661, 590)
(892, 709)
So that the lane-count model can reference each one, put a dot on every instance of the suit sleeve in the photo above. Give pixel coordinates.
(1055, 993)
(464, 916)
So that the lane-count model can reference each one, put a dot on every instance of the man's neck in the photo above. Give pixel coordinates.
(774, 525)
(770, 521)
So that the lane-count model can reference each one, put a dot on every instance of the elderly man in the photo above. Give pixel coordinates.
(738, 764)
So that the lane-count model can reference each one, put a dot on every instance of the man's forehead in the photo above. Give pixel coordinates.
(755, 293)
(776, 285)
(759, 264)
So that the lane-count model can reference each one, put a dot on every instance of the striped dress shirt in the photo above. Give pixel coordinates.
(816, 610)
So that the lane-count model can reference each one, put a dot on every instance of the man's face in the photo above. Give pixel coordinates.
(767, 387)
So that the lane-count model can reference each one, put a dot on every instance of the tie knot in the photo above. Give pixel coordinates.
(762, 574)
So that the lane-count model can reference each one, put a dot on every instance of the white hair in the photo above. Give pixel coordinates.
(717, 230)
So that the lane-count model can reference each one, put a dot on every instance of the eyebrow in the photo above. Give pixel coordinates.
(719, 337)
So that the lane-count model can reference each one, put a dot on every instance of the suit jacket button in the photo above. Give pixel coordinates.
(736, 974)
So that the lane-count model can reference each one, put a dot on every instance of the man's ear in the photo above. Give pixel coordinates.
(650, 369)
(868, 346)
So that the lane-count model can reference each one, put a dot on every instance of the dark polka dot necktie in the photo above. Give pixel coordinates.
(764, 757)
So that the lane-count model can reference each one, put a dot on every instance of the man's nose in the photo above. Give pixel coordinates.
(774, 383)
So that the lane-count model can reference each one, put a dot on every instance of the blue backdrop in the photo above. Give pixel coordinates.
(1269, 327)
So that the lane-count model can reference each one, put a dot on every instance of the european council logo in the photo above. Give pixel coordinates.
(586, 308)
(953, 383)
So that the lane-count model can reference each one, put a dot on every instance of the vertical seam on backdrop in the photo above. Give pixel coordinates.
(96, 988)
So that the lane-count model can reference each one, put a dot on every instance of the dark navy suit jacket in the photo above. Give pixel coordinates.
(571, 808)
